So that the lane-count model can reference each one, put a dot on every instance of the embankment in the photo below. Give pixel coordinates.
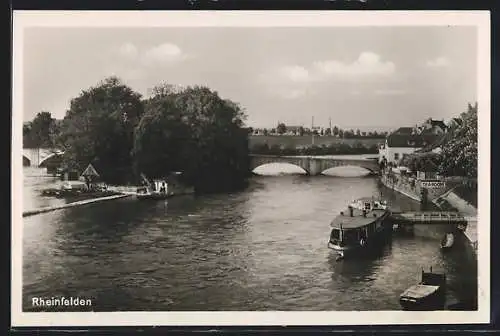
(413, 189)
(73, 204)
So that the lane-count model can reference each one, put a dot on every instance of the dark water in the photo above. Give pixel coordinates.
(261, 249)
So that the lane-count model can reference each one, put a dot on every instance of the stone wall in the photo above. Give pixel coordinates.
(412, 188)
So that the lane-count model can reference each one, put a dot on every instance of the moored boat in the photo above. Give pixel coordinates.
(429, 294)
(447, 241)
(359, 227)
(155, 190)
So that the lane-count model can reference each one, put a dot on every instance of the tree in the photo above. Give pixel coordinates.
(41, 132)
(335, 131)
(328, 131)
(358, 133)
(264, 131)
(99, 128)
(459, 150)
(425, 162)
(281, 128)
(197, 132)
(301, 131)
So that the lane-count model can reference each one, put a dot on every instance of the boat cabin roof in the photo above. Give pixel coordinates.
(345, 221)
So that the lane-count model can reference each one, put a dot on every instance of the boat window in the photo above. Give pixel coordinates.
(335, 234)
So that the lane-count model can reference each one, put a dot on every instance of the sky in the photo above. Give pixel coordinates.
(359, 77)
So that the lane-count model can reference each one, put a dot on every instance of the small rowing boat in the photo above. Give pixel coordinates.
(447, 241)
(429, 294)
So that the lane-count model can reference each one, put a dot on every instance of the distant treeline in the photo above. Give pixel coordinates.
(332, 149)
(335, 131)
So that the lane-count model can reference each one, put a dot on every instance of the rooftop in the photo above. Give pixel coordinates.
(439, 123)
(411, 140)
(404, 130)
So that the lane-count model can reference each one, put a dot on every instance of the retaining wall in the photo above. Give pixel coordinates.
(411, 187)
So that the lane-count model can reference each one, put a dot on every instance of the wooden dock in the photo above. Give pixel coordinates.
(430, 217)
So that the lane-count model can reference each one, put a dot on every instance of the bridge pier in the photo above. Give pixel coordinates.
(314, 167)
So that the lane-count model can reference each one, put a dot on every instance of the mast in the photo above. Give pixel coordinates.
(312, 130)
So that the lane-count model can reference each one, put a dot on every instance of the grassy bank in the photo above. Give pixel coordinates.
(306, 140)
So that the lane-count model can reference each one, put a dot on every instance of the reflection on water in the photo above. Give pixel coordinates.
(260, 249)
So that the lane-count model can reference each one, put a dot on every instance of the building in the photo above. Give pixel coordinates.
(404, 141)
(431, 126)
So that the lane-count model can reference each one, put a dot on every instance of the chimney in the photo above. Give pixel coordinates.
(351, 211)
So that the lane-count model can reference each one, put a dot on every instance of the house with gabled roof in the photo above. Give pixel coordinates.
(404, 141)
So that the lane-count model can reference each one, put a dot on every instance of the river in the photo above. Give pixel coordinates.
(264, 248)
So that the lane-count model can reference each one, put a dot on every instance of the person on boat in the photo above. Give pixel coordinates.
(162, 188)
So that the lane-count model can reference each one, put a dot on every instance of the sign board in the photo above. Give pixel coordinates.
(429, 184)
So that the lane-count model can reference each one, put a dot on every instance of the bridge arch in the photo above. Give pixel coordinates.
(26, 161)
(51, 159)
(287, 167)
(352, 171)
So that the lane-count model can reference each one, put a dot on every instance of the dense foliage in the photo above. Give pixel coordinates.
(195, 131)
(99, 128)
(459, 151)
(42, 132)
(424, 162)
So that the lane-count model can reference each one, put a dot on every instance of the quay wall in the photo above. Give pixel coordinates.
(412, 189)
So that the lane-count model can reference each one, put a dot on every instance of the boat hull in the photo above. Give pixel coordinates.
(157, 196)
(436, 301)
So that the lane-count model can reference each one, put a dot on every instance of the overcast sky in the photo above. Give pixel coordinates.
(359, 77)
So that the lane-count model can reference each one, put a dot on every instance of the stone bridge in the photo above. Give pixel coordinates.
(314, 165)
(36, 157)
